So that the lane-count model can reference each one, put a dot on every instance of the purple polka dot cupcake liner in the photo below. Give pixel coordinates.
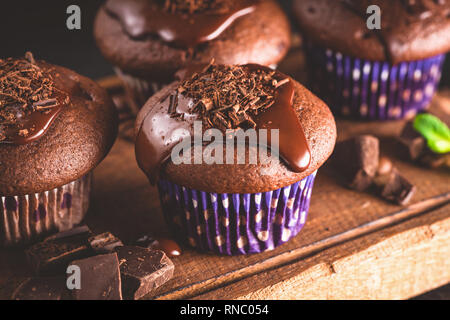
(236, 224)
(372, 90)
(138, 90)
(24, 219)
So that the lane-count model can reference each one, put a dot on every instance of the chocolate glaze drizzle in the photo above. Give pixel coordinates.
(164, 127)
(141, 18)
(29, 100)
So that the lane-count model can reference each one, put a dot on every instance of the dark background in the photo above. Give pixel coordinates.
(39, 26)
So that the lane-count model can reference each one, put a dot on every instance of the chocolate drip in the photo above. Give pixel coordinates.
(29, 100)
(281, 115)
(141, 18)
(32, 128)
(30, 119)
(160, 133)
(161, 129)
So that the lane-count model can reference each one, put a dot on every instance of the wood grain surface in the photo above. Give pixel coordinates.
(354, 245)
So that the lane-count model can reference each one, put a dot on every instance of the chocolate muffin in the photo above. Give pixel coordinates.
(379, 74)
(149, 40)
(234, 200)
(55, 127)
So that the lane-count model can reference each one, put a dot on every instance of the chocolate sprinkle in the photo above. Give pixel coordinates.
(24, 89)
(195, 6)
(229, 97)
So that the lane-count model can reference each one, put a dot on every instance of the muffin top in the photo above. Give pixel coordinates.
(159, 37)
(410, 29)
(233, 100)
(55, 126)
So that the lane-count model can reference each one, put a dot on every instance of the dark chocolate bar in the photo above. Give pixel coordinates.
(49, 288)
(100, 278)
(395, 188)
(104, 243)
(143, 270)
(357, 159)
(56, 252)
(411, 143)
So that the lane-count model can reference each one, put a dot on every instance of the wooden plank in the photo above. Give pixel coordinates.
(394, 263)
(442, 293)
(125, 203)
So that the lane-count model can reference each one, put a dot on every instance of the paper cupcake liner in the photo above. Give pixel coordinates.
(371, 90)
(138, 90)
(236, 224)
(24, 219)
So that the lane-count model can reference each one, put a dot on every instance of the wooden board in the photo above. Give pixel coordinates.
(125, 203)
(353, 245)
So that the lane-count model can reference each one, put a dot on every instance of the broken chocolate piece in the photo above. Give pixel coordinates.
(384, 166)
(412, 143)
(57, 251)
(357, 159)
(100, 278)
(145, 241)
(435, 161)
(77, 231)
(105, 242)
(143, 270)
(170, 247)
(50, 288)
(395, 188)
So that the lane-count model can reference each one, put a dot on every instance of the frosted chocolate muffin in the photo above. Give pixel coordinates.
(235, 204)
(149, 40)
(391, 73)
(55, 127)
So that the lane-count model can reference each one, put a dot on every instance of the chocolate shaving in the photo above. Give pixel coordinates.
(230, 97)
(24, 88)
(195, 6)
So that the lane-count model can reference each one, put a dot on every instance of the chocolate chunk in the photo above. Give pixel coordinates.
(357, 159)
(145, 241)
(170, 247)
(435, 161)
(384, 166)
(412, 143)
(50, 288)
(105, 242)
(395, 188)
(77, 231)
(56, 252)
(143, 270)
(100, 278)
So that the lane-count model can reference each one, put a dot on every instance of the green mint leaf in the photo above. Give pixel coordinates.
(435, 132)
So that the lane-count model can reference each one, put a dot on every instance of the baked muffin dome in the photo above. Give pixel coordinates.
(410, 30)
(319, 130)
(261, 36)
(71, 145)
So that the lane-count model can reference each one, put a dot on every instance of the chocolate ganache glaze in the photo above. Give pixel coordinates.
(226, 98)
(30, 99)
(183, 23)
